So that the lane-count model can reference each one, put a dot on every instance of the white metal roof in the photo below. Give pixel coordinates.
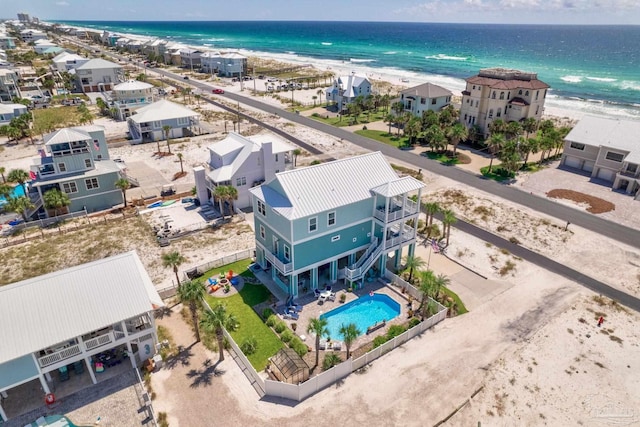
(397, 187)
(319, 188)
(66, 135)
(161, 110)
(133, 85)
(609, 132)
(46, 310)
(231, 143)
(66, 56)
(98, 63)
(10, 108)
(427, 90)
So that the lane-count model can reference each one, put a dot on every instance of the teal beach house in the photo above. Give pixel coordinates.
(335, 221)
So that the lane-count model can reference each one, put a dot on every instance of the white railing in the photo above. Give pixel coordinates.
(59, 355)
(365, 261)
(118, 335)
(98, 341)
(394, 241)
(409, 207)
(284, 268)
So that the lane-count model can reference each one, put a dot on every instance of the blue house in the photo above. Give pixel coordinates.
(76, 161)
(338, 220)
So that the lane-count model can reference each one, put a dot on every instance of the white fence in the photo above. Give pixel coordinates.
(299, 392)
(245, 365)
(219, 262)
(46, 222)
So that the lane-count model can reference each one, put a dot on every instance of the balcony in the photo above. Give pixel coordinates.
(284, 268)
(629, 174)
(397, 211)
(398, 239)
(59, 355)
(99, 341)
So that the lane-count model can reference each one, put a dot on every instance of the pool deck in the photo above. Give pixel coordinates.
(312, 308)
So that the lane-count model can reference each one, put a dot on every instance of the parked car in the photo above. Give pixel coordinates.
(218, 91)
(186, 77)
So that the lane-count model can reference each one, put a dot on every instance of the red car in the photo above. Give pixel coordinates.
(218, 91)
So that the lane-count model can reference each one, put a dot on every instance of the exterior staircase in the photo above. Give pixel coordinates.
(366, 261)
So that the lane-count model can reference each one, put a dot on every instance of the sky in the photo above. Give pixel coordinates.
(462, 11)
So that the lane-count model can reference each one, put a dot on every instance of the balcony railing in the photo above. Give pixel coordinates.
(397, 211)
(284, 268)
(99, 341)
(59, 356)
(629, 174)
(398, 239)
(364, 263)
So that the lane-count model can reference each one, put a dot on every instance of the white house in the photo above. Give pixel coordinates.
(346, 89)
(67, 321)
(226, 64)
(98, 75)
(30, 35)
(44, 46)
(190, 58)
(606, 149)
(10, 111)
(147, 123)
(66, 61)
(244, 163)
(425, 97)
(9, 87)
(7, 42)
(131, 95)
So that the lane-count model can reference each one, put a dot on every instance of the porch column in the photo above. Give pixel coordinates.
(382, 264)
(47, 376)
(411, 249)
(396, 259)
(43, 383)
(314, 278)
(132, 356)
(333, 271)
(3, 415)
(293, 284)
(87, 361)
(352, 259)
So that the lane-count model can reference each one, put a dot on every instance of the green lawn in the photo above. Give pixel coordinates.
(47, 119)
(384, 137)
(251, 325)
(497, 173)
(363, 119)
(440, 157)
(461, 308)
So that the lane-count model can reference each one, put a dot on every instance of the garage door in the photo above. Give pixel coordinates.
(588, 166)
(606, 174)
(572, 162)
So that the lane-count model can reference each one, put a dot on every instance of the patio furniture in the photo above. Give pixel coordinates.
(291, 315)
(64, 373)
(327, 288)
(323, 344)
(214, 288)
(332, 296)
(99, 367)
(234, 281)
(316, 293)
(337, 346)
(78, 367)
(294, 307)
(212, 281)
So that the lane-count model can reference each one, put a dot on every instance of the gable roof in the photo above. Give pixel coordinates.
(66, 135)
(327, 186)
(133, 85)
(46, 310)
(427, 90)
(66, 56)
(11, 108)
(609, 132)
(98, 63)
(161, 110)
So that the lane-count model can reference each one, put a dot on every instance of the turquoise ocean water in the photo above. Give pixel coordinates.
(589, 68)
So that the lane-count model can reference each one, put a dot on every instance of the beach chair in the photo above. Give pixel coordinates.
(292, 315)
(78, 368)
(337, 346)
(316, 293)
(323, 344)
(212, 281)
(294, 307)
(332, 296)
(327, 288)
(64, 373)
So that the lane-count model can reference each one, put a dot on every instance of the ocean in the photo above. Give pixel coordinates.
(591, 69)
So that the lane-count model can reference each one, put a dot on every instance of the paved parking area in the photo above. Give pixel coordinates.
(539, 183)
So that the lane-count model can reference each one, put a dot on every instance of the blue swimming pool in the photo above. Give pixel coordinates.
(364, 312)
(17, 192)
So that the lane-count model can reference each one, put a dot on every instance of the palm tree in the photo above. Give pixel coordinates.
(389, 119)
(296, 153)
(20, 205)
(173, 260)
(412, 129)
(457, 133)
(191, 293)
(431, 209)
(215, 321)
(314, 97)
(123, 185)
(166, 129)
(2, 171)
(497, 126)
(411, 263)
(494, 143)
(427, 286)
(513, 130)
(510, 156)
(349, 334)
(529, 125)
(231, 195)
(220, 193)
(441, 281)
(6, 190)
(448, 219)
(318, 327)
(56, 200)
(19, 176)
(180, 157)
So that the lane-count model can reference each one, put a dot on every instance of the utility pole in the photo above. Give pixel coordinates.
(238, 114)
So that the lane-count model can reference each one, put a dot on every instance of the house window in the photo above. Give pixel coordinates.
(62, 167)
(183, 121)
(493, 96)
(537, 109)
(157, 125)
(276, 157)
(615, 157)
(261, 208)
(491, 113)
(501, 95)
(520, 92)
(537, 93)
(91, 183)
(335, 238)
(526, 93)
(465, 117)
(313, 224)
(87, 163)
(498, 113)
(423, 101)
(433, 101)
(577, 146)
(477, 103)
(467, 100)
(331, 218)
(241, 181)
(474, 87)
(69, 187)
(262, 232)
(632, 168)
(287, 254)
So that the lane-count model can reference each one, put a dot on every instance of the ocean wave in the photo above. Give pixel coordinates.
(443, 57)
(627, 84)
(391, 52)
(326, 44)
(214, 40)
(602, 79)
(361, 60)
(290, 52)
(571, 79)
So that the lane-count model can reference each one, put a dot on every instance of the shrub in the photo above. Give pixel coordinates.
(280, 326)
(330, 360)
(266, 313)
(271, 320)
(249, 346)
(286, 336)
(413, 322)
(395, 330)
(364, 128)
(379, 340)
(298, 346)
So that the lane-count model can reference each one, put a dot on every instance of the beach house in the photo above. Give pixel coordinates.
(9, 88)
(46, 46)
(498, 93)
(98, 75)
(67, 330)
(190, 58)
(66, 61)
(7, 42)
(346, 89)
(425, 97)
(11, 111)
(131, 95)
(339, 220)
(148, 122)
(30, 35)
(606, 149)
(76, 162)
(243, 163)
(224, 64)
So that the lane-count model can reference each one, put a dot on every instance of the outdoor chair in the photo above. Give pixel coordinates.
(337, 345)
(316, 293)
(294, 307)
(327, 288)
(64, 373)
(78, 367)
(332, 296)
